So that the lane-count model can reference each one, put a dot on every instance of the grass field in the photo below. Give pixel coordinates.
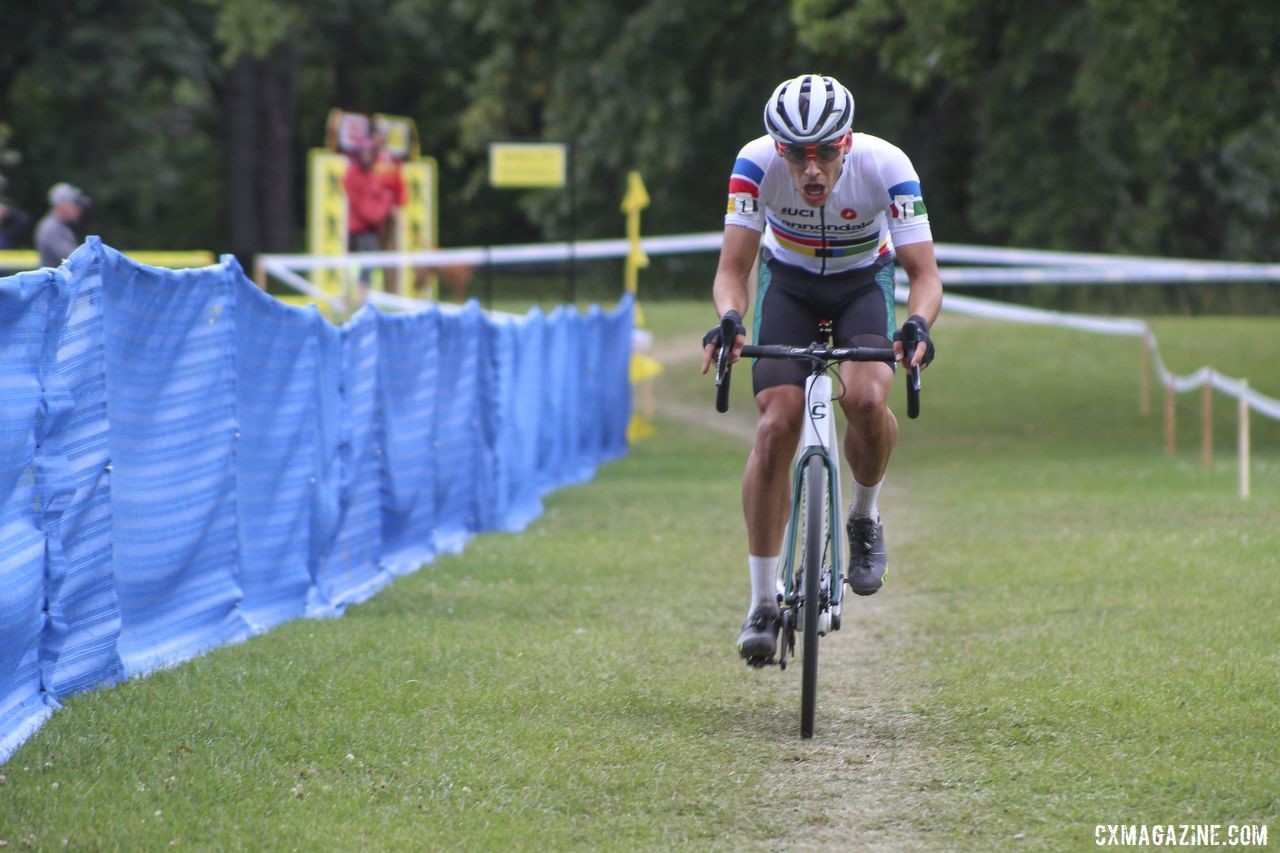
(1077, 630)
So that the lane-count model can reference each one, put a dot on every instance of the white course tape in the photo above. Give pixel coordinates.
(1035, 267)
(1036, 316)
(1103, 274)
(1065, 267)
(963, 254)
(1259, 403)
(1107, 326)
(297, 282)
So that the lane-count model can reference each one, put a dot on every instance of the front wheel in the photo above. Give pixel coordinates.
(813, 518)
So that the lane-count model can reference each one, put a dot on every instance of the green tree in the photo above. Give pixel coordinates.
(1142, 125)
(1097, 124)
(115, 97)
(670, 88)
(1179, 102)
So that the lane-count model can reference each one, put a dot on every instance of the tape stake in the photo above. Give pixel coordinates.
(1144, 376)
(1206, 423)
(1244, 440)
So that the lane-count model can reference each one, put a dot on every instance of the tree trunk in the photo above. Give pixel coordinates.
(260, 109)
(278, 122)
(240, 115)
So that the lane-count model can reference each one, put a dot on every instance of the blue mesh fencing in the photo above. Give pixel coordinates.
(170, 361)
(277, 396)
(187, 462)
(29, 307)
(408, 370)
(79, 644)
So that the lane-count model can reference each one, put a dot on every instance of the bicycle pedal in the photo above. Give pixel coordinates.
(760, 662)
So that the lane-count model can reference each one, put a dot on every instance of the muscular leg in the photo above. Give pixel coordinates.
(766, 482)
(868, 443)
(766, 491)
(872, 429)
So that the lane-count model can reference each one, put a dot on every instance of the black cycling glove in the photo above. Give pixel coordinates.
(920, 331)
(713, 337)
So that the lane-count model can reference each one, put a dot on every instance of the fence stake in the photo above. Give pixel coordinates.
(1168, 421)
(1206, 422)
(1144, 376)
(1244, 440)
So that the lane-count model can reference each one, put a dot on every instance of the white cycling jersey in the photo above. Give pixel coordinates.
(875, 204)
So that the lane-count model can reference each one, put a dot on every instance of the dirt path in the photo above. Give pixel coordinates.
(862, 781)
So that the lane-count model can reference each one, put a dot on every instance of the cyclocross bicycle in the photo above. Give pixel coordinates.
(811, 572)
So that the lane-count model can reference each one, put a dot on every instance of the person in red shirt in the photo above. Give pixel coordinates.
(387, 166)
(369, 203)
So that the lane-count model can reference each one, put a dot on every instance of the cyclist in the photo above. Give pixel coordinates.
(833, 210)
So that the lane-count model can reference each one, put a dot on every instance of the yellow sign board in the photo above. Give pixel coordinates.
(518, 165)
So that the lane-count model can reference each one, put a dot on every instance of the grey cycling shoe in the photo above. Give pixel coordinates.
(867, 557)
(759, 637)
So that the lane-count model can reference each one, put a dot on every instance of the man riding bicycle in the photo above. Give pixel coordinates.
(839, 207)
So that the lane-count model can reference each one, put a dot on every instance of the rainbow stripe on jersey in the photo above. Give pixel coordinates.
(830, 244)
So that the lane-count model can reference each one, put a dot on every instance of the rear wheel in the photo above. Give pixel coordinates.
(813, 517)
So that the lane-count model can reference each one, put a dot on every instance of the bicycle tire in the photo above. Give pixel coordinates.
(814, 521)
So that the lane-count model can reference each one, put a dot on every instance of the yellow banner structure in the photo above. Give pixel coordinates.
(414, 225)
(326, 214)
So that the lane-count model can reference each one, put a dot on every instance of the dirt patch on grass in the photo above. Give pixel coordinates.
(863, 781)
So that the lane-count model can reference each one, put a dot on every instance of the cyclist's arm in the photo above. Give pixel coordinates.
(921, 266)
(737, 256)
(918, 260)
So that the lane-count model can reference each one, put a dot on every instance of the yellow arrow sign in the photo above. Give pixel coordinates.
(636, 200)
(637, 197)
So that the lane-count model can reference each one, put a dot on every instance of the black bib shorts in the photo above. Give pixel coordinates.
(791, 301)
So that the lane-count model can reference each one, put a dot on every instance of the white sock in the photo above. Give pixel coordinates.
(864, 500)
(764, 582)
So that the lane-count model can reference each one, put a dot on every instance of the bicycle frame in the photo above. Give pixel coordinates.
(819, 439)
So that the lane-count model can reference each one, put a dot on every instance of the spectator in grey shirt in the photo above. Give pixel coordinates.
(55, 238)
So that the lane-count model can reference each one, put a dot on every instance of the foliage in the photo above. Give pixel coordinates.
(120, 105)
(253, 28)
(1143, 126)
(608, 89)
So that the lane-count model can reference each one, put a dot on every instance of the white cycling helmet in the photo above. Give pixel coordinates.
(809, 109)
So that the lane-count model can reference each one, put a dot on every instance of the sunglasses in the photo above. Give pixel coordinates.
(824, 152)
